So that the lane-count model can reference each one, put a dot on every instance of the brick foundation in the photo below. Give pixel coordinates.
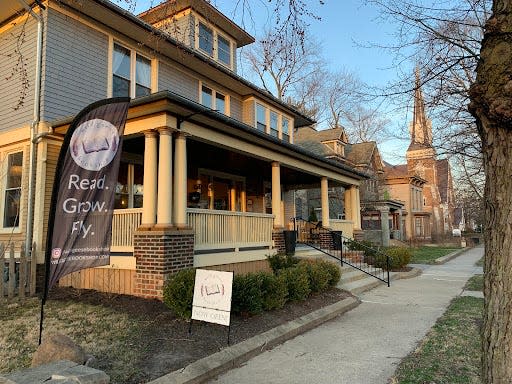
(325, 239)
(278, 240)
(159, 254)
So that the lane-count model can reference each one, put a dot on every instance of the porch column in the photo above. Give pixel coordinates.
(150, 180)
(384, 225)
(180, 180)
(243, 200)
(164, 205)
(348, 204)
(276, 194)
(356, 208)
(232, 197)
(401, 225)
(324, 192)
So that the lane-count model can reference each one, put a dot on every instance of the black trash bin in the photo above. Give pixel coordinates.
(290, 240)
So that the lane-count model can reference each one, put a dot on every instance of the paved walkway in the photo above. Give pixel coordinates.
(364, 345)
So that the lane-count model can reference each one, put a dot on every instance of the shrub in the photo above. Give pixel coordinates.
(333, 270)
(318, 276)
(281, 261)
(178, 292)
(273, 290)
(399, 257)
(297, 282)
(247, 296)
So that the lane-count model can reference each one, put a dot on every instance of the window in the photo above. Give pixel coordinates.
(206, 39)
(214, 44)
(121, 71)
(131, 73)
(285, 128)
(129, 188)
(224, 50)
(273, 124)
(261, 118)
(213, 99)
(13, 190)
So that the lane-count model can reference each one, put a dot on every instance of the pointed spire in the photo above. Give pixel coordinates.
(421, 129)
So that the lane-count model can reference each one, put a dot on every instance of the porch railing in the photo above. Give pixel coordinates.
(124, 223)
(213, 229)
(347, 251)
(224, 229)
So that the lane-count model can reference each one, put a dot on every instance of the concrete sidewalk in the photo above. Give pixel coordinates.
(364, 345)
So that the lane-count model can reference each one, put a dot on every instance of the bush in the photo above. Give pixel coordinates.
(281, 261)
(297, 282)
(247, 295)
(178, 292)
(318, 276)
(333, 270)
(399, 257)
(273, 290)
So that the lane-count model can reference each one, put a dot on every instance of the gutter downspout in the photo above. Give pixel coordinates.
(35, 123)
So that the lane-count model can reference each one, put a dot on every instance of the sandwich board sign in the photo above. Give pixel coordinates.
(212, 296)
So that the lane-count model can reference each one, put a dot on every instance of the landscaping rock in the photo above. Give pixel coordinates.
(58, 347)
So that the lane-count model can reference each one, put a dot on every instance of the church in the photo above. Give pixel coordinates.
(435, 208)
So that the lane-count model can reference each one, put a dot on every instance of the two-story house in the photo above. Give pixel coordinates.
(209, 164)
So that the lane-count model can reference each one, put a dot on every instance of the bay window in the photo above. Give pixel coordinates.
(272, 122)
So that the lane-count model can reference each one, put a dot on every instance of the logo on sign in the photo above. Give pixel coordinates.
(56, 252)
(212, 290)
(94, 144)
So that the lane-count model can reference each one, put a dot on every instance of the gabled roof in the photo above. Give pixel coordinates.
(311, 134)
(396, 171)
(361, 154)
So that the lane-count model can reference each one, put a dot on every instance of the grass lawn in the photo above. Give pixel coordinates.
(428, 255)
(450, 353)
(476, 283)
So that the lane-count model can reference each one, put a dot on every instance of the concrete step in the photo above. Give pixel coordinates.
(359, 286)
(350, 275)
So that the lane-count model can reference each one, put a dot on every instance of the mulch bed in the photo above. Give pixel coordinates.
(164, 343)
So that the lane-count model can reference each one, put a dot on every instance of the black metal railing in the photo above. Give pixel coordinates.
(367, 259)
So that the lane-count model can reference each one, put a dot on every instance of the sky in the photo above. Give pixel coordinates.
(346, 30)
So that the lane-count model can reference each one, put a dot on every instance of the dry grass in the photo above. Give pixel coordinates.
(450, 353)
(101, 331)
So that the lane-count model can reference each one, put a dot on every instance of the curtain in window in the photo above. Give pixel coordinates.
(143, 71)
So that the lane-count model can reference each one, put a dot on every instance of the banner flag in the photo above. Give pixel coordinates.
(79, 227)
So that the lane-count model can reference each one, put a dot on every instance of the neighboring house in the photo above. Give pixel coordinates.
(425, 182)
(401, 185)
(381, 216)
(209, 166)
(331, 144)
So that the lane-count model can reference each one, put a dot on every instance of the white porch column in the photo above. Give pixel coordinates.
(164, 205)
(324, 193)
(276, 195)
(243, 200)
(150, 179)
(180, 180)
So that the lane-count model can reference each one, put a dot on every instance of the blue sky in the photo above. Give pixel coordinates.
(345, 29)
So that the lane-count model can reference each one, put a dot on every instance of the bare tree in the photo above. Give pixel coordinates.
(491, 105)
(282, 61)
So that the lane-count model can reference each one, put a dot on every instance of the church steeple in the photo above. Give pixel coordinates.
(420, 127)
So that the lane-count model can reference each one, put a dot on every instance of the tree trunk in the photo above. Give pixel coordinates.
(491, 104)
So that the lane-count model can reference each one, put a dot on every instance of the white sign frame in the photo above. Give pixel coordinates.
(213, 291)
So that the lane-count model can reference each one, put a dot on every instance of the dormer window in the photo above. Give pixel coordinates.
(224, 50)
(206, 39)
(214, 44)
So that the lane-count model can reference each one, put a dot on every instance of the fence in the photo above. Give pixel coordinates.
(19, 272)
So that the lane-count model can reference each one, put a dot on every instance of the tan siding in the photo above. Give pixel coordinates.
(51, 164)
(248, 112)
(236, 108)
(111, 280)
(243, 268)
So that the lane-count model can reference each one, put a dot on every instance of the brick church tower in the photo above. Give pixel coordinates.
(421, 160)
